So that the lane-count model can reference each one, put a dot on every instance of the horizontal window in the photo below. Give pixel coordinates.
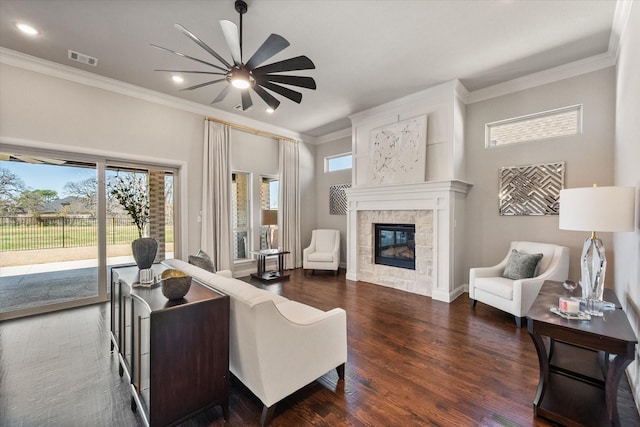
(336, 163)
(548, 124)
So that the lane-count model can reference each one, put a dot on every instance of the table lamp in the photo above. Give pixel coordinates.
(605, 209)
(269, 218)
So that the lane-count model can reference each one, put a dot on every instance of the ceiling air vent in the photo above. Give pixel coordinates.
(85, 59)
(239, 107)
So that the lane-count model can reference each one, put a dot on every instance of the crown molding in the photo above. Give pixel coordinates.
(619, 25)
(551, 75)
(52, 69)
(424, 97)
(333, 136)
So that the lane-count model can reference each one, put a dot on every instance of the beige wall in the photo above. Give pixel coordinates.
(444, 152)
(258, 156)
(308, 207)
(588, 159)
(57, 114)
(627, 161)
(323, 181)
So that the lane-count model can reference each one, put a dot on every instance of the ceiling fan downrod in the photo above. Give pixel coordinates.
(241, 8)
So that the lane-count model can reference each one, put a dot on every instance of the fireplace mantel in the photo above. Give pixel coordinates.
(445, 199)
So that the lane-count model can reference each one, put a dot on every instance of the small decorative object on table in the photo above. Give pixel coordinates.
(570, 285)
(580, 315)
(146, 276)
(569, 308)
(175, 284)
(144, 252)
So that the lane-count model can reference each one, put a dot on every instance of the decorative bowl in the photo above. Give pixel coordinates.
(175, 284)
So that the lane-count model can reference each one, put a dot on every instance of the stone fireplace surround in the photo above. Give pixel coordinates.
(437, 209)
(417, 281)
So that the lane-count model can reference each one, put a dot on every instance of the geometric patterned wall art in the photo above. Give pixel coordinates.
(338, 199)
(531, 189)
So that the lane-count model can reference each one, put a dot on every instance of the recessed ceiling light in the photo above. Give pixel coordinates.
(27, 29)
(177, 79)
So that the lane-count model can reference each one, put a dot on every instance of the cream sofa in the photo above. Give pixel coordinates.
(276, 346)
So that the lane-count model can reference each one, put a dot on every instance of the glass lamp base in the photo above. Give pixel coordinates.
(593, 307)
(593, 264)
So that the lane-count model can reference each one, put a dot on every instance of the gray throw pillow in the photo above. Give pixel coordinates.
(202, 260)
(521, 266)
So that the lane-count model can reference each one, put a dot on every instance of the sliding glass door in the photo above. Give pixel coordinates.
(48, 234)
(133, 191)
(63, 225)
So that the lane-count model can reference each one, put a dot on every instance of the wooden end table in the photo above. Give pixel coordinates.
(578, 383)
(270, 276)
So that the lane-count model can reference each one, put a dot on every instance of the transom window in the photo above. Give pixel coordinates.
(337, 162)
(533, 127)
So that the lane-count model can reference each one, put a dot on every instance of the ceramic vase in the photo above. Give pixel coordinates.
(144, 252)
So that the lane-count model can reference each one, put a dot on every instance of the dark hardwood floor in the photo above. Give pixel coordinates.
(412, 362)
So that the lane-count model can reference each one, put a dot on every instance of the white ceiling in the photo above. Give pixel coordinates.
(366, 52)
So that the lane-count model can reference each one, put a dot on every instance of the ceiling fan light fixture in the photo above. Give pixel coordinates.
(177, 79)
(240, 83)
(240, 78)
(250, 74)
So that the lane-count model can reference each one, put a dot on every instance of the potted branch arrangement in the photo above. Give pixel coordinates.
(131, 192)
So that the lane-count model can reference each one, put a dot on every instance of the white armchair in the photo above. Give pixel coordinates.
(324, 251)
(488, 285)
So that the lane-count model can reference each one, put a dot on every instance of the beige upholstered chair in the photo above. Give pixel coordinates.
(324, 251)
(488, 285)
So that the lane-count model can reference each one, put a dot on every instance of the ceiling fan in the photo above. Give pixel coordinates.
(249, 75)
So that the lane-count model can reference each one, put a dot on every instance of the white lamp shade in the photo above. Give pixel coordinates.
(606, 209)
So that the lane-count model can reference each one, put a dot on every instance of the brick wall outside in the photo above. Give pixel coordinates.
(156, 211)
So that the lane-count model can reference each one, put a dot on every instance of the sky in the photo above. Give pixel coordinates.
(47, 177)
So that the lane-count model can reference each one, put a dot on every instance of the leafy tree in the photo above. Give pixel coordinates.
(34, 201)
(131, 191)
(48, 195)
(11, 186)
(85, 191)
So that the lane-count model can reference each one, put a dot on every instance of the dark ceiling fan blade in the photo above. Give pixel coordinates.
(189, 57)
(222, 95)
(291, 64)
(231, 35)
(272, 45)
(306, 82)
(202, 44)
(269, 99)
(203, 84)
(246, 100)
(288, 93)
(194, 72)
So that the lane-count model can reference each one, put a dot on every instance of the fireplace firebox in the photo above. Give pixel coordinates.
(395, 245)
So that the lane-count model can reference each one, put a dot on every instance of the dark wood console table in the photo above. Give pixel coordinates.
(581, 361)
(175, 353)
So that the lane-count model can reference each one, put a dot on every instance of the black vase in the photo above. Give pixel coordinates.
(144, 251)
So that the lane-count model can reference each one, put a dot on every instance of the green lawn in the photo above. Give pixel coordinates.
(15, 238)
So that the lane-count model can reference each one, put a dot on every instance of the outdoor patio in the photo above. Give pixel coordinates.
(35, 285)
(42, 277)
